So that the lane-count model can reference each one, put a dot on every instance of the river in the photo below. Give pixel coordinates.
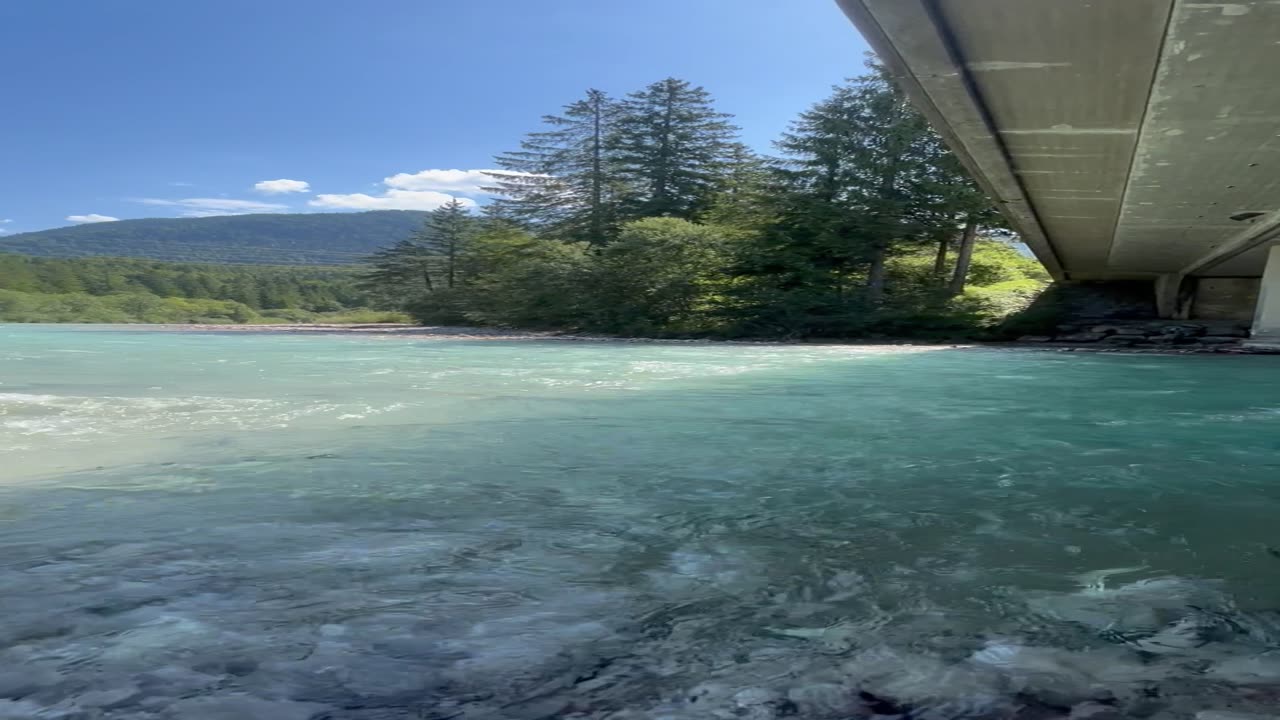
(210, 526)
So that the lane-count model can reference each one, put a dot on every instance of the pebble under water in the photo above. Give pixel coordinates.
(280, 527)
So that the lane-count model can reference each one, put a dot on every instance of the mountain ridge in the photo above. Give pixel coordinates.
(265, 239)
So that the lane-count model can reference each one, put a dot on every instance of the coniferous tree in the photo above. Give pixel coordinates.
(672, 148)
(563, 181)
(861, 179)
(445, 235)
(416, 267)
(402, 271)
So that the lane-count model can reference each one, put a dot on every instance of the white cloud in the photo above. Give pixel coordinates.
(422, 190)
(5, 221)
(390, 200)
(209, 207)
(466, 182)
(179, 183)
(281, 186)
(91, 218)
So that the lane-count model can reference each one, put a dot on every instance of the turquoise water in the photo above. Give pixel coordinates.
(283, 526)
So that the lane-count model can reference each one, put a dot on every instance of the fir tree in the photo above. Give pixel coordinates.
(563, 180)
(861, 179)
(402, 271)
(445, 235)
(672, 148)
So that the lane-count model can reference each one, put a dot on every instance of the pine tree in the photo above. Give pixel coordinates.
(672, 148)
(411, 269)
(742, 202)
(401, 272)
(445, 235)
(862, 178)
(562, 180)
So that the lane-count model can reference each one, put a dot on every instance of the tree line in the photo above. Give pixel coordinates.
(647, 215)
(34, 289)
(259, 287)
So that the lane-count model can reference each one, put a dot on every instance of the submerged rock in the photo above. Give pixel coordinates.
(109, 699)
(923, 681)
(18, 709)
(823, 700)
(1248, 670)
(17, 683)
(244, 707)
(1095, 711)
(1142, 606)
(1232, 715)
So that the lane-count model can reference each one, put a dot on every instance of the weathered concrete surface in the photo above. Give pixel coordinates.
(1121, 137)
(1225, 299)
(1266, 319)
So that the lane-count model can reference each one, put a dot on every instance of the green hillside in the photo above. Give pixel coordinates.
(124, 290)
(311, 239)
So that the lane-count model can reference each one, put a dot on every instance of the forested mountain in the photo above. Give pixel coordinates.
(309, 239)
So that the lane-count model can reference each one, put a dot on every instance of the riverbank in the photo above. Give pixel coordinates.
(1144, 342)
(469, 333)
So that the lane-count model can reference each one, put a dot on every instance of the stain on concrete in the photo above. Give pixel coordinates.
(1061, 155)
(1228, 9)
(1068, 130)
(1078, 199)
(998, 65)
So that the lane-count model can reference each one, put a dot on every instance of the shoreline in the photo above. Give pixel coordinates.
(471, 333)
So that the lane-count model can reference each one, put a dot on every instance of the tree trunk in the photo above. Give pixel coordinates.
(940, 260)
(876, 276)
(963, 259)
(453, 255)
(597, 171)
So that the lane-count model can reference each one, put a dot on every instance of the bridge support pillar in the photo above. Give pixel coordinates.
(1171, 303)
(1266, 318)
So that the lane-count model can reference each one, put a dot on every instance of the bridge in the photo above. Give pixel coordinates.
(1124, 139)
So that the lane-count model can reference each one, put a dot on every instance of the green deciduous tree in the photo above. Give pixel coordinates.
(661, 275)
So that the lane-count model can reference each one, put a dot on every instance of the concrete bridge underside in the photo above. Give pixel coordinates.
(1134, 139)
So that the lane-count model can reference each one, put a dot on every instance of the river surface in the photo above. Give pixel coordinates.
(285, 527)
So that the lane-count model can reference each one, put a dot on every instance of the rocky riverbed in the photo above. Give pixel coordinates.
(1150, 336)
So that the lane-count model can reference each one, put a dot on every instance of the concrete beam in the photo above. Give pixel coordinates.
(1259, 232)
(909, 40)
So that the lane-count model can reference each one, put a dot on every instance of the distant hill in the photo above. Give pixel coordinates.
(312, 239)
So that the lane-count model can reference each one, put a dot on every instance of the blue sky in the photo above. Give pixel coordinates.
(170, 108)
